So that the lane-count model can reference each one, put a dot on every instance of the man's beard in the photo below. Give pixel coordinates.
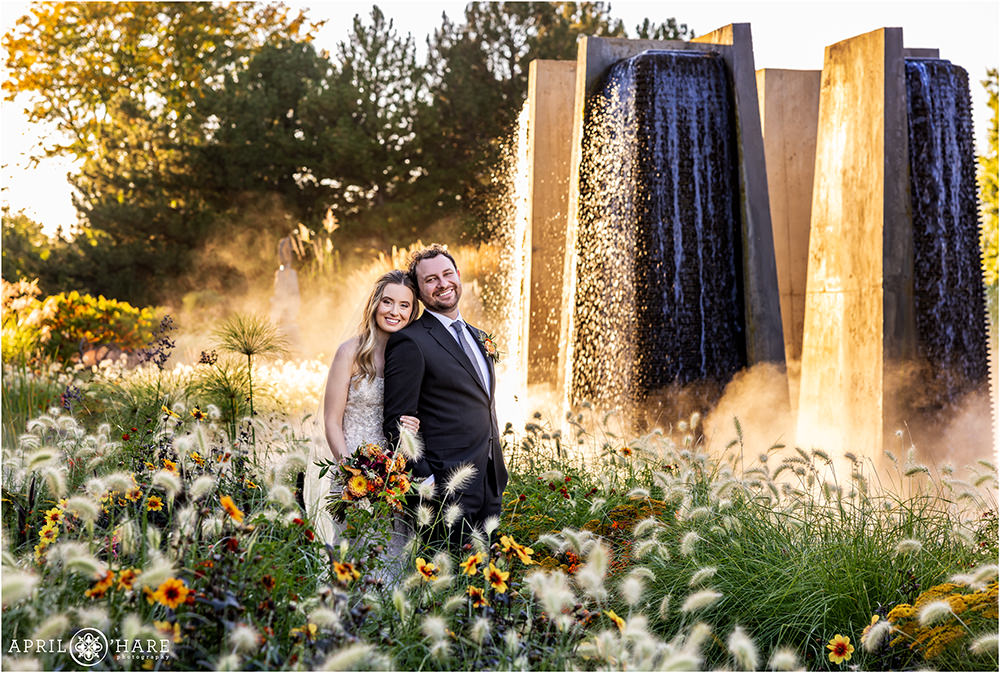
(438, 307)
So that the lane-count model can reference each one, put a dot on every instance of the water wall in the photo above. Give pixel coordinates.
(659, 297)
(950, 312)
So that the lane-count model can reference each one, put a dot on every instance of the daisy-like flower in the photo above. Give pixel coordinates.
(496, 577)
(48, 533)
(470, 566)
(478, 597)
(53, 516)
(154, 504)
(357, 487)
(427, 570)
(168, 412)
(345, 571)
(231, 509)
(171, 593)
(101, 586)
(267, 581)
(197, 458)
(133, 494)
(126, 579)
(523, 553)
(250, 484)
(840, 649)
(170, 466)
(400, 484)
(619, 622)
(198, 414)
(626, 451)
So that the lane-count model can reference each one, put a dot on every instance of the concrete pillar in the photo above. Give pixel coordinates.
(789, 108)
(858, 308)
(550, 133)
(763, 313)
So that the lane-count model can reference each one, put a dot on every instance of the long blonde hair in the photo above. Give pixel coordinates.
(364, 359)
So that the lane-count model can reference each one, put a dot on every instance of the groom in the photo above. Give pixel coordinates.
(437, 369)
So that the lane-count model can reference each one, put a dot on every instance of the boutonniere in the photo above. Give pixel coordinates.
(489, 345)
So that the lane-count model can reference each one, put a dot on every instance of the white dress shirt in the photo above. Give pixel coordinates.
(476, 350)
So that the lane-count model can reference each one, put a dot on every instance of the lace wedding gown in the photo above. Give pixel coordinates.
(363, 412)
(363, 425)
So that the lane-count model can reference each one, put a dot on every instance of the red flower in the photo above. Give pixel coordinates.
(125, 437)
(298, 522)
(310, 535)
(232, 544)
(522, 497)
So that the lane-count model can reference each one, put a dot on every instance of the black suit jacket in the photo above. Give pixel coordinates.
(428, 375)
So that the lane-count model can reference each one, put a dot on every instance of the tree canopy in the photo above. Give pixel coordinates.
(190, 120)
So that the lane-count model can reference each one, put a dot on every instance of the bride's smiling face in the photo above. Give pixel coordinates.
(394, 308)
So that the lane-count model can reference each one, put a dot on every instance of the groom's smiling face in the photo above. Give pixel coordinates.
(440, 284)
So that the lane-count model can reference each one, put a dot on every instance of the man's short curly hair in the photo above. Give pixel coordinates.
(429, 252)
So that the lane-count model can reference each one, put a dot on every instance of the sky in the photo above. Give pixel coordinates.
(785, 35)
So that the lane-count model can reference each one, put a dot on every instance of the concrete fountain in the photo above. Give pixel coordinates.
(655, 169)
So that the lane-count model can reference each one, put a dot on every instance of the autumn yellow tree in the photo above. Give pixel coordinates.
(988, 195)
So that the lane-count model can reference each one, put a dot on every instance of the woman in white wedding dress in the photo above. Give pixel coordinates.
(352, 407)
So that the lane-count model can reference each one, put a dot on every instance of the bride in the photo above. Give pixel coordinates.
(352, 408)
(353, 401)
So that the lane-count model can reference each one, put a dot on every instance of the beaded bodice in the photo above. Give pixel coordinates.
(363, 412)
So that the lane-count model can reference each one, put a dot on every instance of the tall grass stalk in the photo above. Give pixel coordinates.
(252, 336)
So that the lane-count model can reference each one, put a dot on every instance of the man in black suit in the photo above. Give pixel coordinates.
(438, 370)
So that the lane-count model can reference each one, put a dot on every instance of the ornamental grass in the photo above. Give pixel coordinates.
(163, 514)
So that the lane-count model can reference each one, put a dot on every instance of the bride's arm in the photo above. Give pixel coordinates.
(338, 381)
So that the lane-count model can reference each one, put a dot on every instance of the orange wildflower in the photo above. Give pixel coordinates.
(126, 579)
(496, 577)
(171, 593)
(478, 597)
(231, 509)
(101, 586)
(345, 571)
(470, 566)
(427, 570)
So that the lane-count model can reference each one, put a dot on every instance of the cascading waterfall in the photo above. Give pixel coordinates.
(947, 277)
(659, 297)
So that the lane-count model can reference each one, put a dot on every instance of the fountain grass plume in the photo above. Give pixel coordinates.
(459, 478)
(743, 650)
(348, 658)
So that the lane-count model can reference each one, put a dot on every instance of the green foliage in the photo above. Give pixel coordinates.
(478, 79)
(120, 83)
(225, 384)
(26, 250)
(62, 326)
(620, 528)
(200, 124)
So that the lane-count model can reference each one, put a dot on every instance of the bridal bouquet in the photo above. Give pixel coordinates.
(369, 475)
